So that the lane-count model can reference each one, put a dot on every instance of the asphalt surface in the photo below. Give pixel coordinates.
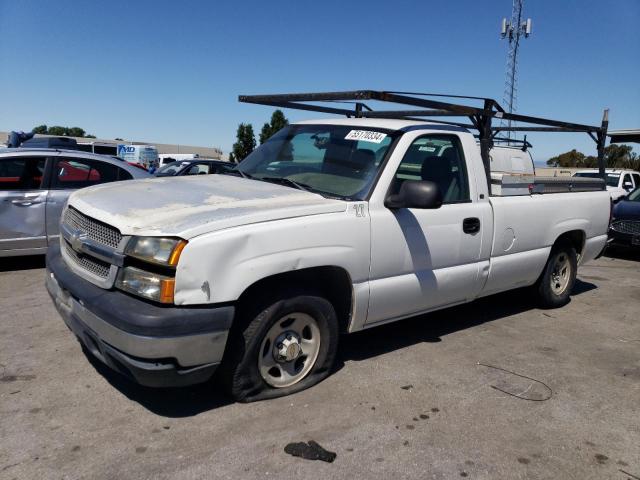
(424, 398)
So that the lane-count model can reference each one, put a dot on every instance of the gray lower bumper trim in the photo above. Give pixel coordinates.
(188, 350)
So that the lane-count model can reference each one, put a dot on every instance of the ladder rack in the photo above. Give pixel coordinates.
(429, 106)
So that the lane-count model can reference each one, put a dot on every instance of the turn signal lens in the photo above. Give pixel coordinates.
(175, 255)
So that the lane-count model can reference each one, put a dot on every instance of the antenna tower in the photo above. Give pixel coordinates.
(512, 30)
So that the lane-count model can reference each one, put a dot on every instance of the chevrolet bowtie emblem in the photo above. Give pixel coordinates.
(76, 241)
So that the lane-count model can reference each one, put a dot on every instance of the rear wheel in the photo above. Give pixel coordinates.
(282, 345)
(558, 278)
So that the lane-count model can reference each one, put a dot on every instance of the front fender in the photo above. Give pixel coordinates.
(218, 267)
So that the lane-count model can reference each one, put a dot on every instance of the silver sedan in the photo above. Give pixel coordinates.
(35, 185)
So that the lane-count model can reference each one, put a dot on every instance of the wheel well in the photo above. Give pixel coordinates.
(575, 237)
(334, 283)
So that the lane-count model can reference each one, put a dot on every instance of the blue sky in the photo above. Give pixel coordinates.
(167, 71)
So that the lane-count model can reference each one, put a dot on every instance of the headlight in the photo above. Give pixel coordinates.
(161, 251)
(146, 284)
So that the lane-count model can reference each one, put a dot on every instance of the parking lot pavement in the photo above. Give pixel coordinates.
(408, 399)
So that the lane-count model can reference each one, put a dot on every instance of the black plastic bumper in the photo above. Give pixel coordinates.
(619, 239)
(153, 345)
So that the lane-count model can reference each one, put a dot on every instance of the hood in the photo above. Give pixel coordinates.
(626, 210)
(189, 206)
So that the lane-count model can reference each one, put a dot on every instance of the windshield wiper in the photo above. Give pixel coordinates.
(236, 172)
(287, 182)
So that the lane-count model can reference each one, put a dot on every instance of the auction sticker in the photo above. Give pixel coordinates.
(366, 136)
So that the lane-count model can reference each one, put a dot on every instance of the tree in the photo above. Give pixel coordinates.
(567, 159)
(62, 131)
(615, 156)
(232, 159)
(278, 122)
(76, 132)
(620, 156)
(57, 130)
(246, 142)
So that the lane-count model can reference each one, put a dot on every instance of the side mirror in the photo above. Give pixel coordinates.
(415, 194)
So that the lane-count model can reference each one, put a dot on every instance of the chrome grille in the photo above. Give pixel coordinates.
(90, 264)
(95, 230)
(627, 226)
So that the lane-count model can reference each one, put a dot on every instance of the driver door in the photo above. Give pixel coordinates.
(22, 205)
(422, 259)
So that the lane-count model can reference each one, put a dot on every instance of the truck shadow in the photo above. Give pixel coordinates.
(623, 253)
(433, 327)
(30, 262)
(166, 402)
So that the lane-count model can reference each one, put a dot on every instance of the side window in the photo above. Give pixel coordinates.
(625, 180)
(438, 159)
(198, 169)
(21, 173)
(636, 179)
(71, 173)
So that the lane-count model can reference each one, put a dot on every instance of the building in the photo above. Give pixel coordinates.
(109, 147)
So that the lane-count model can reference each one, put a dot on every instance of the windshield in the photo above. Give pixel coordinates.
(333, 160)
(170, 169)
(634, 196)
(611, 178)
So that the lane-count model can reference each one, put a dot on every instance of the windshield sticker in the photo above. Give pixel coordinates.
(366, 136)
(427, 149)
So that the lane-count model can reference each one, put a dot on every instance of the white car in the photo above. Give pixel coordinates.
(619, 182)
(330, 226)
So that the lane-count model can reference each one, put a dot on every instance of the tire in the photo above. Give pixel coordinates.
(267, 332)
(558, 277)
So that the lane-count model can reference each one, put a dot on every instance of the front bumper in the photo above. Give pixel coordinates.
(153, 345)
(620, 239)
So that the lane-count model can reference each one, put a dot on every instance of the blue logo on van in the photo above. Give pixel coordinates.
(124, 149)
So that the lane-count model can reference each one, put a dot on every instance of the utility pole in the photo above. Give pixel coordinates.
(513, 29)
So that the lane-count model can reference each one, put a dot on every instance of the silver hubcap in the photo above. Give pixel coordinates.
(560, 274)
(289, 350)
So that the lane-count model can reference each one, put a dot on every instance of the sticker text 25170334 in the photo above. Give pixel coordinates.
(366, 136)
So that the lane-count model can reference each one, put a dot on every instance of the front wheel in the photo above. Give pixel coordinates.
(283, 345)
(559, 276)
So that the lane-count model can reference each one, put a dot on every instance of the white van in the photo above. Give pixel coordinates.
(145, 155)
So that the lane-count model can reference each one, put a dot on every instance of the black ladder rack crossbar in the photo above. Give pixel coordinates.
(427, 108)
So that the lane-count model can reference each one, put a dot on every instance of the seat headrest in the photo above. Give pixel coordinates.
(435, 168)
(362, 158)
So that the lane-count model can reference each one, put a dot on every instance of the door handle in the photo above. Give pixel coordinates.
(25, 202)
(471, 225)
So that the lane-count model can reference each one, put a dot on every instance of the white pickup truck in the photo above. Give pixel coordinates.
(619, 182)
(331, 226)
